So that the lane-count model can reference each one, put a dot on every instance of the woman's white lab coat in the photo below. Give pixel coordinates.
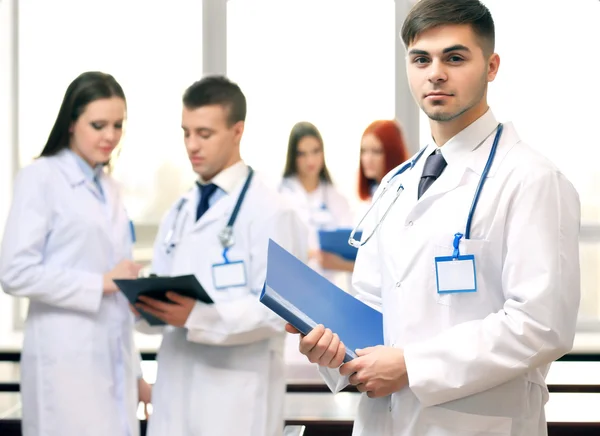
(323, 209)
(476, 361)
(223, 374)
(78, 368)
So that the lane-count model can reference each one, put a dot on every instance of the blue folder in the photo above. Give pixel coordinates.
(305, 299)
(336, 241)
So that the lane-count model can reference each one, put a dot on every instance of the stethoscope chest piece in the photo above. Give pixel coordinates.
(226, 237)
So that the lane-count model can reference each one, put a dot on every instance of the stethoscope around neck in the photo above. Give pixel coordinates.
(225, 236)
(410, 165)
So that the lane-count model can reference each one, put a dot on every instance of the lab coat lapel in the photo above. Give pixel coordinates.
(111, 196)
(480, 155)
(222, 209)
(218, 211)
(68, 166)
(293, 185)
(75, 177)
(457, 174)
(185, 220)
(448, 180)
(410, 182)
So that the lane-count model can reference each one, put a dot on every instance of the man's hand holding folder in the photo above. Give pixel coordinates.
(309, 302)
(379, 371)
(321, 346)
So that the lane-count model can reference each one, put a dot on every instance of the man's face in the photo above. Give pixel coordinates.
(211, 143)
(448, 72)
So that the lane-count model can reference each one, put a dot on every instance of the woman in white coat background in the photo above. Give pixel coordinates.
(66, 238)
(475, 267)
(309, 188)
(382, 148)
(220, 366)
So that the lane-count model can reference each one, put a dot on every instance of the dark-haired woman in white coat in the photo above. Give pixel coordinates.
(66, 238)
(308, 186)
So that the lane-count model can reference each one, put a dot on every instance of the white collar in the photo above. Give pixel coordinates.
(229, 178)
(467, 139)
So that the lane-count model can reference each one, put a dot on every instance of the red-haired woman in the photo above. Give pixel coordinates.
(382, 148)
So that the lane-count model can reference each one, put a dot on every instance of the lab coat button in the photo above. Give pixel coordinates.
(398, 284)
(409, 224)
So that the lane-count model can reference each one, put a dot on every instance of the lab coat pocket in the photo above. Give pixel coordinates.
(222, 401)
(438, 421)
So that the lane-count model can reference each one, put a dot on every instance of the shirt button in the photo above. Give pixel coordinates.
(398, 284)
(409, 224)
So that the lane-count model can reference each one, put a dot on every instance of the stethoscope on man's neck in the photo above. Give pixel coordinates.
(410, 165)
(226, 237)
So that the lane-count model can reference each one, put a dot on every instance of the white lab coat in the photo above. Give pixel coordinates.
(78, 362)
(223, 374)
(324, 209)
(476, 361)
(335, 214)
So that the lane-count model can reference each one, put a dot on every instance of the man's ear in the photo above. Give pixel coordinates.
(493, 67)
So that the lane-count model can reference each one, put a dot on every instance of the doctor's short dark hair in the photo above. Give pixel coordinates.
(427, 14)
(86, 88)
(217, 90)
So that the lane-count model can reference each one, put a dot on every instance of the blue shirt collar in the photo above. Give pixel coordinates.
(91, 174)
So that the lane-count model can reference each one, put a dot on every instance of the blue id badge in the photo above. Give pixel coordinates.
(229, 274)
(132, 231)
(455, 273)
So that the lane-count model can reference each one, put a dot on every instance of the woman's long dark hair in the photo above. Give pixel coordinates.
(86, 88)
(299, 131)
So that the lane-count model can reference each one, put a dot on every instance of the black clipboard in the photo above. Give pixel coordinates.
(156, 287)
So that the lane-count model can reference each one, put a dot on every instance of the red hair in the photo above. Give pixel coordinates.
(395, 152)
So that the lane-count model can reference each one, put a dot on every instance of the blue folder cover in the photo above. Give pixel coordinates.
(336, 241)
(305, 299)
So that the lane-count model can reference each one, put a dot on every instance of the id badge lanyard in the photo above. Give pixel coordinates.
(231, 273)
(457, 273)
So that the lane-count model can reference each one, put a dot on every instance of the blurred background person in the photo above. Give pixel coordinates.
(66, 238)
(309, 187)
(382, 148)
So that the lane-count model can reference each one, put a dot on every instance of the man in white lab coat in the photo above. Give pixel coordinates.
(478, 283)
(220, 366)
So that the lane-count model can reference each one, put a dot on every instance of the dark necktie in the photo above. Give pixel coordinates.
(206, 191)
(434, 165)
